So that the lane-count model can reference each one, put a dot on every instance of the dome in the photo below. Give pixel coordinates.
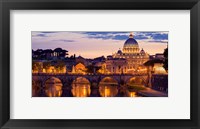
(131, 45)
(142, 51)
(131, 41)
(119, 52)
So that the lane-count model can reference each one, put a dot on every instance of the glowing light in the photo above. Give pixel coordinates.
(53, 87)
(132, 94)
(44, 70)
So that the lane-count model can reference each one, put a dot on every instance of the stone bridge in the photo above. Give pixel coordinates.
(67, 79)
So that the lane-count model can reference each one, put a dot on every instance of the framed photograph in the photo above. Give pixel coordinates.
(97, 71)
(99, 64)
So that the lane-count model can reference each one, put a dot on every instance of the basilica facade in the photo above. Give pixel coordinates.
(128, 60)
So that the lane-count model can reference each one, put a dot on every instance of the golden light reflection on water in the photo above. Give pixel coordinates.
(108, 90)
(132, 94)
(35, 89)
(81, 90)
(53, 87)
(53, 90)
(81, 87)
(108, 87)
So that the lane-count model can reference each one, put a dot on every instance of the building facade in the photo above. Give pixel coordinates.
(129, 60)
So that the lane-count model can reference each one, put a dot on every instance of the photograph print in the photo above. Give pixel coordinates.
(99, 64)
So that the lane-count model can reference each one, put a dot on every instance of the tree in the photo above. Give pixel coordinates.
(46, 65)
(166, 59)
(60, 65)
(47, 53)
(152, 62)
(61, 52)
(38, 54)
(36, 66)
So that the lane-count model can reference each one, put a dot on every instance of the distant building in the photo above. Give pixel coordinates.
(131, 56)
(99, 59)
(82, 60)
(109, 57)
(116, 65)
(79, 69)
(44, 66)
(159, 69)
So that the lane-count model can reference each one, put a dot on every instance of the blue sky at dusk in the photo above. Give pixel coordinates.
(95, 44)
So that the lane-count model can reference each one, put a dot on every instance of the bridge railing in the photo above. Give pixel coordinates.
(91, 74)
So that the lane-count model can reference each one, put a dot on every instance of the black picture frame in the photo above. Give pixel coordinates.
(7, 5)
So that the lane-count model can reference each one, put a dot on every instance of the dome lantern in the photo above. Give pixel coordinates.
(131, 35)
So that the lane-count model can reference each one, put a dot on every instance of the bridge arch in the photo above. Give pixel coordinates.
(81, 87)
(81, 79)
(139, 80)
(46, 78)
(108, 79)
(108, 87)
(53, 87)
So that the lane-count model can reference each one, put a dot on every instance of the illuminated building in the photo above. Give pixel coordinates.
(103, 69)
(37, 66)
(159, 69)
(81, 60)
(40, 67)
(79, 69)
(116, 65)
(129, 60)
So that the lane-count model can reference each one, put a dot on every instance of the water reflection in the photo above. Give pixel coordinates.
(84, 90)
(81, 87)
(53, 87)
(35, 89)
(135, 81)
(108, 87)
(81, 90)
(131, 93)
(108, 90)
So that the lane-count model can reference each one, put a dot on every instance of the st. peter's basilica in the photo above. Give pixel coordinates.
(129, 60)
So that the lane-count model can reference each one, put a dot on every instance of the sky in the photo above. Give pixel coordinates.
(96, 44)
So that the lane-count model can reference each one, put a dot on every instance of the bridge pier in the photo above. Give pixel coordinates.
(67, 91)
(149, 80)
(94, 85)
(42, 92)
(95, 92)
